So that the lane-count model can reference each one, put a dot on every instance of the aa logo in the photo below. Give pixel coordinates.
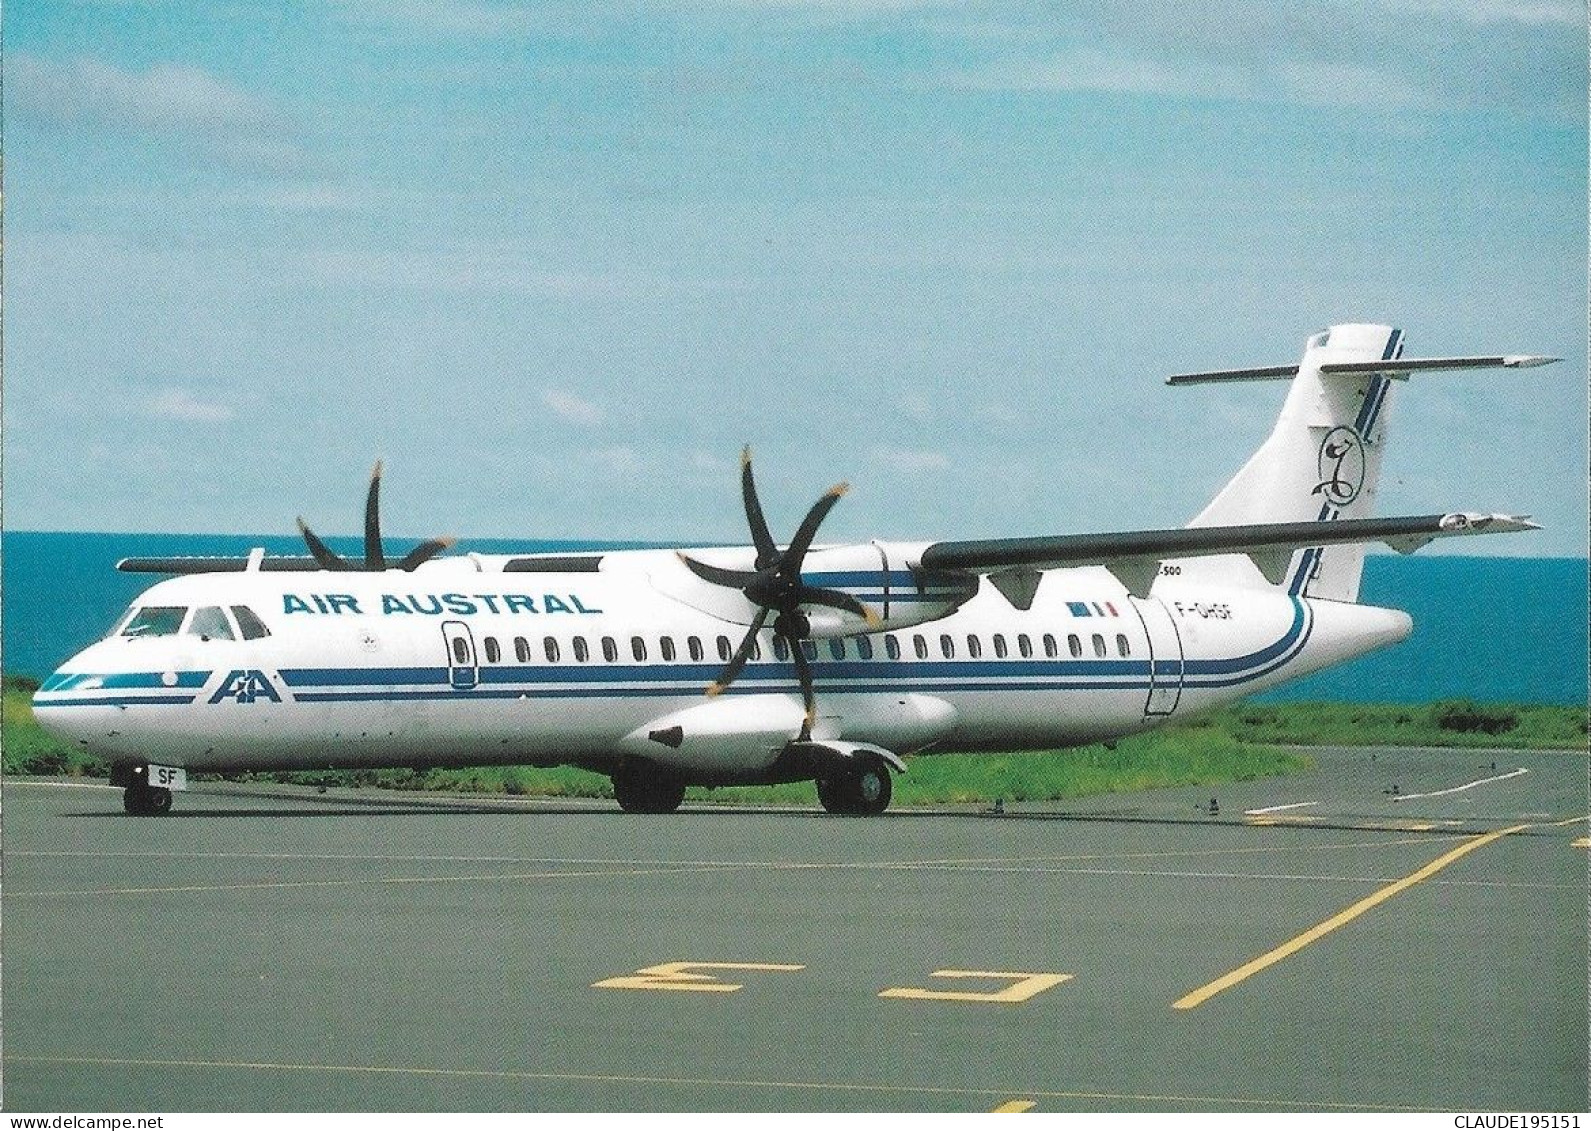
(246, 687)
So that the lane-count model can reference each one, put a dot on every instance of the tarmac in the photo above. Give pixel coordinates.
(1394, 930)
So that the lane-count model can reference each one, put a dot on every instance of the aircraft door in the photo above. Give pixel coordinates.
(462, 670)
(1165, 656)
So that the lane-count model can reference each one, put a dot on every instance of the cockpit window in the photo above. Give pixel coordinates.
(155, 620)
(253, 627)
(121, 621)
(210, 623)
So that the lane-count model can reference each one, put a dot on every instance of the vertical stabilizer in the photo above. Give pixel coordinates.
(1321, 462)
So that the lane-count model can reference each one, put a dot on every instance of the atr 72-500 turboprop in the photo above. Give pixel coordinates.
(767, 662)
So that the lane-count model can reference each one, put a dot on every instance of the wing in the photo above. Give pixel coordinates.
(217, 565)
(1134, 556)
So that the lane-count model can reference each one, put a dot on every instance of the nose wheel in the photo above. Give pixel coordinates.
(146, 800)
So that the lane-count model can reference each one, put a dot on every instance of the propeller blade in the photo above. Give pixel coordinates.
(322, 553)
(742, 653)
(424, 552)
(808, 694)
(375, 559)
(790, 563)
(767, 552)
(733, 578)
(834, 599)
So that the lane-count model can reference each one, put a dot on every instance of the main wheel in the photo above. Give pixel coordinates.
(647, 791)
(832, 795)
(859, 790)
(146, 800)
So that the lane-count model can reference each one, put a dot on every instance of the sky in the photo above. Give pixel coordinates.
(556, 263)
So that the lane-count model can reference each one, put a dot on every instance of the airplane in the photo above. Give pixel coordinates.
(770, 662)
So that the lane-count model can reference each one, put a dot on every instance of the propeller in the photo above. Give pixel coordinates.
(375, 559)
(776, 588)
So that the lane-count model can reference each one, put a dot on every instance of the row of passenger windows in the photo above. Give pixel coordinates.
(209, 622)
(860, 648)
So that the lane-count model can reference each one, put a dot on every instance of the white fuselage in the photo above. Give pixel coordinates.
(460, 663)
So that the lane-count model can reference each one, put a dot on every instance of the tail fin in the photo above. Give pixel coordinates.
(1321, 462)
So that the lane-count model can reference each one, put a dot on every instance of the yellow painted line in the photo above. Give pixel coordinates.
(1022, 987)
(1583, 842)
(1285, 1103)
(1016, 1105)
(366, 882)
(681, 976)
(1292, 946)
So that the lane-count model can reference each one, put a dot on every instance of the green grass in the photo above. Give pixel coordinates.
(1453, 722)
(1235, 744)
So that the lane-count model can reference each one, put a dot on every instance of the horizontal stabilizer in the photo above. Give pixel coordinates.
(1400, 368)
(1261, 541)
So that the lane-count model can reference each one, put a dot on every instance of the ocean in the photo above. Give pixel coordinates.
(1490, 629)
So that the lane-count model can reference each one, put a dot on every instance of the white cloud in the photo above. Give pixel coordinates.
(171, 100)
(619, 460)
(572, 408)
(911, 459)
(172, 403)
(1567, 12)
(715, 465)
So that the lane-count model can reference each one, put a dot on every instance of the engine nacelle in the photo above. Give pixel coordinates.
(885, 578)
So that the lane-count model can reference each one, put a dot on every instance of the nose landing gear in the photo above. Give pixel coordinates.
(146, 800)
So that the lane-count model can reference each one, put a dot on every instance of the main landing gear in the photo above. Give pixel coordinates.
(858, 788)
(646, 789)
(146, 800)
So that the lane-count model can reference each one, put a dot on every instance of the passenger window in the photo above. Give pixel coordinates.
(724, 649)
(522, 649)
(974, 647)
(156, 620)
(1122, 647)
(920, 646)
(694, 645)
(250, 625)
(837, 649)
(1075, 646)
(1099, 645)
(1024, 646)
(461, 651)
(493, 652)
(610, 649)
(210, 623)
(781, 649)
(1050, 649)
(864, 647)
(582, 653)
(892, 647)
(947, 646)
(666, 645)
(638, 648)
(999, 646)
(809, 649)
(550, 646)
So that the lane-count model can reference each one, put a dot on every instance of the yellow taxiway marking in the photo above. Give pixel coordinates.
(1022, 987)
(1583, 842)
(1292, 946)
(679, 976)
(1016, 1105)
(368, 881)
(1286, 1104)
